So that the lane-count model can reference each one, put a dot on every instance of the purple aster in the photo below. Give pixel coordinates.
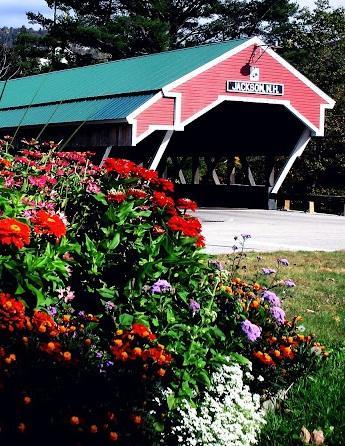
(194, 306)
(268, 271)
(252, 331)
(271, 298)
(278, 314)
(217, 265)
(161, 286)
(283, 262)
(52, 311)
(289, 283)
(246, 236)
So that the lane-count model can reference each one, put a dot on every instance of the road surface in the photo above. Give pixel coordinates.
(271, 230)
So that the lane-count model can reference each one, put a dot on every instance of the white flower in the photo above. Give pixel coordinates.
(228, 414)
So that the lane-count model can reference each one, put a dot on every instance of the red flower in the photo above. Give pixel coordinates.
(186, 203)
(13, 232)
(190, 227)
(12, 313)
(44, 323)
(162, 200)
(50, 224)
(158, 230)
(123, 167)
(166, 185)
(116, 196)
(146, 174)
(137, 193)
(142, 331)
(200, 243)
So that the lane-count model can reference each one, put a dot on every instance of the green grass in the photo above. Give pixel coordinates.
(317, 401)
(319, 295)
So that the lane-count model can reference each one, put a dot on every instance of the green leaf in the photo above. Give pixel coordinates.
(126, 320)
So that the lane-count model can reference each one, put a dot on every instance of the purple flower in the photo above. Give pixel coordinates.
(283, 262)
(278, 314)
(289, 283)
(109, 306)
(271, 298)
(161, 286)
(194, 306)
(252, 331)
(268, 271)
(52, 311)
(246, 236)
(217, 265)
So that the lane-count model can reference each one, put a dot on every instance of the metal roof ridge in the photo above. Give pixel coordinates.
(128, 58)
(88, 98)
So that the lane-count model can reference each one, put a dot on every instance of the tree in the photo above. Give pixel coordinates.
(8, 67)
(316, 46)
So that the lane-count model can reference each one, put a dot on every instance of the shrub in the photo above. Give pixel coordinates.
(106, 298)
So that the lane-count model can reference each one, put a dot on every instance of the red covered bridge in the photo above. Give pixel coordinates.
(226, 120)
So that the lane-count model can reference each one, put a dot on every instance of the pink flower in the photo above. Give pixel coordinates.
(66, 294)
(93, 188)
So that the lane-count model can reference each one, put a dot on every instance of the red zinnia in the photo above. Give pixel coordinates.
(137, 193)
(166, 185)
(186, 203)
(123, 167)
(50, 224)
(12, 313)
(146, 174)
(13, 232)
(190, 227)
(162, 200)
(116, 196)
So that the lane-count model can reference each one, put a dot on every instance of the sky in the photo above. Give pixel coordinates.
(12, 12)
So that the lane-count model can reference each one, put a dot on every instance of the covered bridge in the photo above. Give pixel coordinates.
(225, 120)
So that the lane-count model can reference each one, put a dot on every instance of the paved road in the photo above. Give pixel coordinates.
(272, 230)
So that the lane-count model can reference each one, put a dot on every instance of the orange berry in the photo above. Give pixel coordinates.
(13, 357)
(21, 427)
(75, 421)
(124, 356)
(62, 329)
(118, 342)
(25, 340)
(42, 329)
(255, 304)
(66, 318)
(277, 353)
(161, 372)
(113, 436)
(27, 400)
(67, 356)
(87, 342)
(93, 429)
(51, 346)
(137, 351)
(72, 328)
(137, 419)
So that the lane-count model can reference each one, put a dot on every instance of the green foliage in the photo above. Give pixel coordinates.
(316, 402)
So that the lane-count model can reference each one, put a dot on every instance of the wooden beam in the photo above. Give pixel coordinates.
(161, 150)
(106, 155)
(296, 152)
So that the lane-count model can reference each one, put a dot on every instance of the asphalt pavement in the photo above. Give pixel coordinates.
(271, 230)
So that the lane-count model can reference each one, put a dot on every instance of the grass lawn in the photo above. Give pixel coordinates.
(317, 401)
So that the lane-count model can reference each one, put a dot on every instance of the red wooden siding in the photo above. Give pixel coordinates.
(159, 113)
(203, 89)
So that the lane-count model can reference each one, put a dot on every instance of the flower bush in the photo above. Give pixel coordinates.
(106, 298)
(228, 413)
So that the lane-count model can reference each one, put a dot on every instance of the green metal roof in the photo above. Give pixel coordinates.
(77, 111)
(137, 74)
